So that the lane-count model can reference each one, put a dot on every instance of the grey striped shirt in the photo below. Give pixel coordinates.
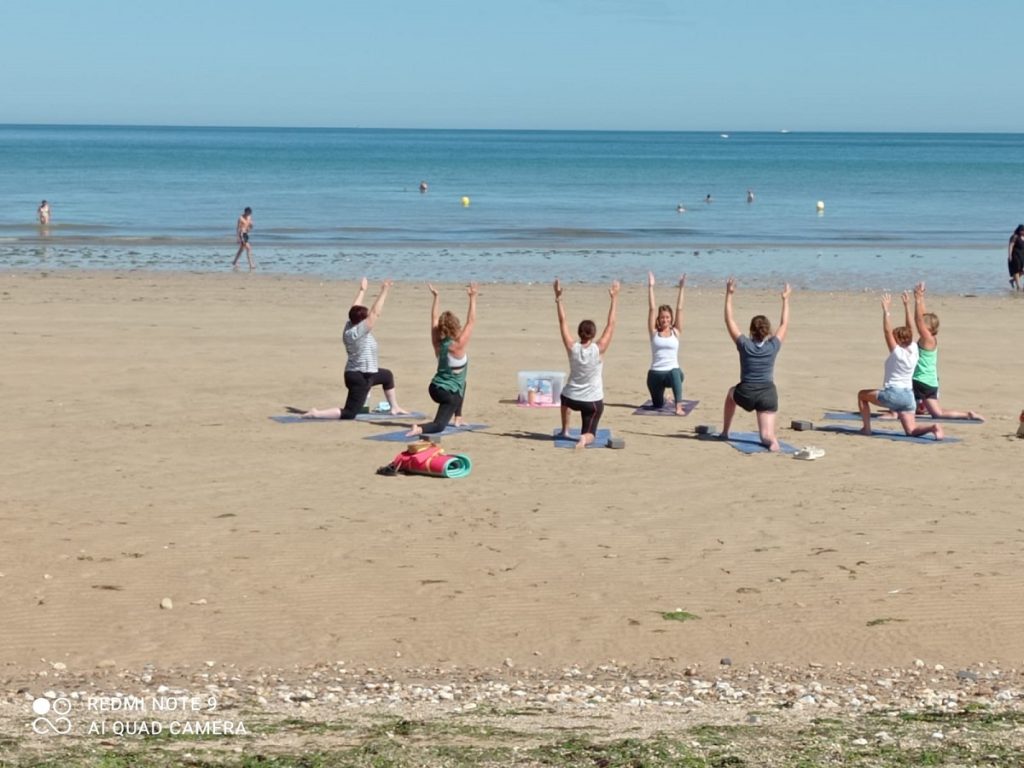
(361, 348)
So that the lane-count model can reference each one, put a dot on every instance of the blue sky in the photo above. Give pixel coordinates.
(721, 65)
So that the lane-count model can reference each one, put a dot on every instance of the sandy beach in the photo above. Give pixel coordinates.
(141, 463)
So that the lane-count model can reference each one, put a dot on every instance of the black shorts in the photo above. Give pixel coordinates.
(245, 238)
(924, 391)
(756, 397)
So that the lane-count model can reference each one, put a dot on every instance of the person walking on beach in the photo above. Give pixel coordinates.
(362, 371)
(44, 213)
(242, 229)
(1015, 257)
(756, 390)
(451, 341)
(584, 392)
(665, 327)
(897, 393)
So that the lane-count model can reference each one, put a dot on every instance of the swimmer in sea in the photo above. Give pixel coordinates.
(423, 186)
(242, 229)
(44, 213)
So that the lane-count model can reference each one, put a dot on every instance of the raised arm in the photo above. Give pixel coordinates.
(890, 340)
(906, 310)
(780, 334)
(378, 304)
(563, 325)
(435, 317)
(652, 306)
(927, 338)
(730, 322)
(609, 328)
(679, 303)
(467, 330)
(361, 293)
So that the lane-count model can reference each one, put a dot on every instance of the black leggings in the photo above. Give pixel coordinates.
(449, 405)
(359, 385)
(590, 412)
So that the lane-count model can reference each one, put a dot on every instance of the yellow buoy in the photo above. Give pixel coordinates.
(465, 201)
(821, 205)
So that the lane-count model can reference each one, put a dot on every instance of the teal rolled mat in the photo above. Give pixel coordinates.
(458, 465)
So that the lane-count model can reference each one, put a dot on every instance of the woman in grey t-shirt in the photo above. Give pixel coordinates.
(756, 390)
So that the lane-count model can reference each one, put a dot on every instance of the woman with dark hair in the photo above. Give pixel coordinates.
(1015, 257)
(362, 372)
(756, 390)
(584, 391)
(451, 340)
(664, 327)
(897, 392)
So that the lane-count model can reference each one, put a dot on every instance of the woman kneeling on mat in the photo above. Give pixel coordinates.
(450, 339)
(756, 390)
(665, 327)
(897, 393)
(584, 392)
(361, 371)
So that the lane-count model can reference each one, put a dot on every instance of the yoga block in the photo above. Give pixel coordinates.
(802, 426)
(616, 442)
(540, 387)
(704, 429)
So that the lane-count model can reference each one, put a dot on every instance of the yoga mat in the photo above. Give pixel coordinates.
(399, 437)
(668, 409)
(852, 416)
(291, 418)
(600, 439)
(886, 434)
(749, 442)
(537, 405)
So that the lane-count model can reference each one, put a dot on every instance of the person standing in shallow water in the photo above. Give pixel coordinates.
(44, 213)
(1015, 257)
(242, 229)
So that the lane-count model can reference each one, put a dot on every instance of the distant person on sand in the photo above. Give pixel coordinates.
(44, 213)
(584, 392)
(423, 186)
(756, 390)
(362, 371)
(451, 341)
(665, 327)
(1015, 257)
(926, 374)
(897, 393)
(242, 229)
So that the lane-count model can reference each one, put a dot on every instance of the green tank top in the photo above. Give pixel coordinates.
(448, 378)
(927, 370)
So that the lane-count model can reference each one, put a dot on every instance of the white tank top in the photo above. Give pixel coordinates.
(664, 351)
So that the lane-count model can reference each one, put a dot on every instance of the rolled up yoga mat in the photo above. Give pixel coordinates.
(426, 458)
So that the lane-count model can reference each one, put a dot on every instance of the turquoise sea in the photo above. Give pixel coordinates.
(586, 206)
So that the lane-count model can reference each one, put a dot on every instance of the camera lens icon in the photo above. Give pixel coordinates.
(59, 724)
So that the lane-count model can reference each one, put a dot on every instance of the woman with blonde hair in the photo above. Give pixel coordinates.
(665, 327)
(450, 340)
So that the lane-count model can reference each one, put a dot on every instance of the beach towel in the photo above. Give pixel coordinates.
(600, 439)
(749, 442)
(426, 458)
(668, 409)
(887, 434)
(854, 416)
(400, 436)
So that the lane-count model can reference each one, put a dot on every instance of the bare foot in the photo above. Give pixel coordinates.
(458, 423)
(396, 411)
(773, 446)
(975, 415)
(416, 430)
(680, 409)
(939, 434)
(722, 435)
(585, 440)
(866, 431)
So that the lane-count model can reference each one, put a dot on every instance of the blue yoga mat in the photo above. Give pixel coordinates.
(851, 416)
(291, 418)
(749, 442)
(668, 409)
(400, 437)
(886, 434)
(600, 439)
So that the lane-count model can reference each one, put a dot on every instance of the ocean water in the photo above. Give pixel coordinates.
(586, 206)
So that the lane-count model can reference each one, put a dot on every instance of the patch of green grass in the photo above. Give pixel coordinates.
(679, 616)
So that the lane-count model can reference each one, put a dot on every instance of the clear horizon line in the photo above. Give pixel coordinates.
(720, 132)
